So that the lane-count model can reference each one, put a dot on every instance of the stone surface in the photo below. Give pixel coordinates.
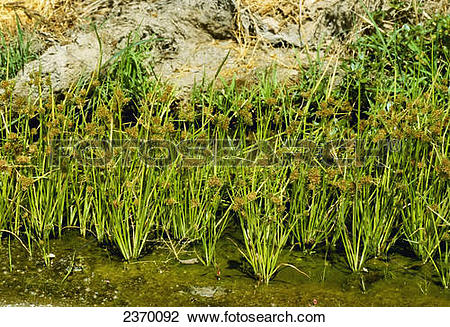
(193, 38)
(207, 291)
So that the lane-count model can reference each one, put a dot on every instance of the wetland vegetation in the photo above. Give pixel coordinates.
(347, 164)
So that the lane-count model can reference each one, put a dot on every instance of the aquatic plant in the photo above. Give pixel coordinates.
(442, 262)
(424, 210)
(312, 208)
(132, 211)
(45, 211)
(8, 193)
(354, 240)
(259, 200)
(192, 196)
(214, 227)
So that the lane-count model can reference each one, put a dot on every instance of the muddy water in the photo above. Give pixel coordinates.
(84, 274)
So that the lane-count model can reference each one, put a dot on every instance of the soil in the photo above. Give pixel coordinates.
(194, 36)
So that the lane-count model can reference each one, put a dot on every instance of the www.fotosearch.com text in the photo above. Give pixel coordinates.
(220, 152)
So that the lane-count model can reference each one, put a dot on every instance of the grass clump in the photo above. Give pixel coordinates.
(15, 52)
(312, 207)
(260, 203)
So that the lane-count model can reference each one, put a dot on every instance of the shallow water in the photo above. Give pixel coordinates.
(98, 278)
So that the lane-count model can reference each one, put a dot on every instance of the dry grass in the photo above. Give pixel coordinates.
(284, 10)
(54, 16)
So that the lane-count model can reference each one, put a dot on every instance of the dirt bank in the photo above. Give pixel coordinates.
(192, 37)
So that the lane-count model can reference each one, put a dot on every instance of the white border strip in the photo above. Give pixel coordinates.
(233, 316)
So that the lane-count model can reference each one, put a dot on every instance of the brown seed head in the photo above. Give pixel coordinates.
(25, 182)
(171, 201)
(223, 122)
(23, 160)
(215, 182)
(238, 203)
(252, 196)
(314, 178)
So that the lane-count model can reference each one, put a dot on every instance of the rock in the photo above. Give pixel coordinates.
(181, 27)
(64, 64)
(271, 24)
(289, 36)
(191, 261)
(208, 291)
(215, 17)
(192, 38)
